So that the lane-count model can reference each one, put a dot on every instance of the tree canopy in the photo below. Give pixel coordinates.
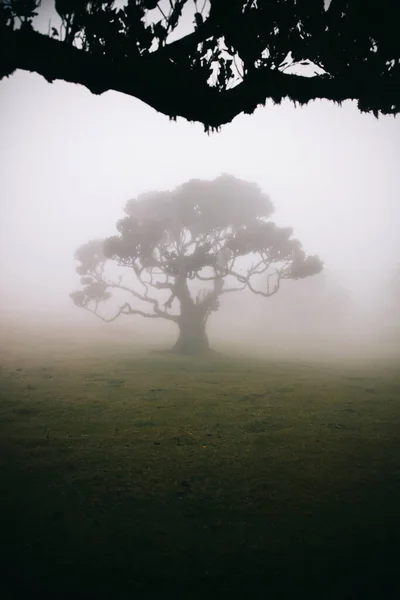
(203, 61)
(193, 244)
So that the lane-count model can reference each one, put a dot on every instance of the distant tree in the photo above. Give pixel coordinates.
(213, 233)
(236, 55)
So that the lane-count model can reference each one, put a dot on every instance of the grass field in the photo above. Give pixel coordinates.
(153, 476)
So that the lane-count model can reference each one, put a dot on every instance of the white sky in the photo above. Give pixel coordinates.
(69, 160)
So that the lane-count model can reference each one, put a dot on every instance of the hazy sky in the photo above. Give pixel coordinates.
(70, 160)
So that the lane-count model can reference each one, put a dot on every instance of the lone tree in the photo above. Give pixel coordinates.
(213, 234)
(236, 55)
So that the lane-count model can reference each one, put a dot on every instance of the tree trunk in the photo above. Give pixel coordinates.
(192, 337)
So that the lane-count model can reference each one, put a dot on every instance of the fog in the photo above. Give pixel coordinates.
(70, 160)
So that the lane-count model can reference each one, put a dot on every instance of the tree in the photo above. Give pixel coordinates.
(215, 234)
(229, 63)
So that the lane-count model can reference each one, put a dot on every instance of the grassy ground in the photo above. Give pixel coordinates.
(156, 476)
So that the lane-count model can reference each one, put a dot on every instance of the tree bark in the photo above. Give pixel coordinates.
(192, 337)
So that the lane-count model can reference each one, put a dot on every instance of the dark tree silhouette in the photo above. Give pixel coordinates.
(236, 55)
(213, 233)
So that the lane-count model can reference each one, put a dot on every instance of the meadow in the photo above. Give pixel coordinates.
(129, 474)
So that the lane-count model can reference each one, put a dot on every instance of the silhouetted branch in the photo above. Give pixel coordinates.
(176, 90)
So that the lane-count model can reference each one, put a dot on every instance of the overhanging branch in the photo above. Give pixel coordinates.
(176, 91)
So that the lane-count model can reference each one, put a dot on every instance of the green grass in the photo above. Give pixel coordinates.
(129, 476)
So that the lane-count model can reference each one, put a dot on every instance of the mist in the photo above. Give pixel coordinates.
(210, 442)
(70, 161)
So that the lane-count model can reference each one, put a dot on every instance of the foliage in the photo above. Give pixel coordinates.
(214, 232)
(230, 62)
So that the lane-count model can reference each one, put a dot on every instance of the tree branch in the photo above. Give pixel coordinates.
(269, 292)
(126, 309)
(246, 279)
(228, 290)
(163, 285)
(176, 91)
(143, 297)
